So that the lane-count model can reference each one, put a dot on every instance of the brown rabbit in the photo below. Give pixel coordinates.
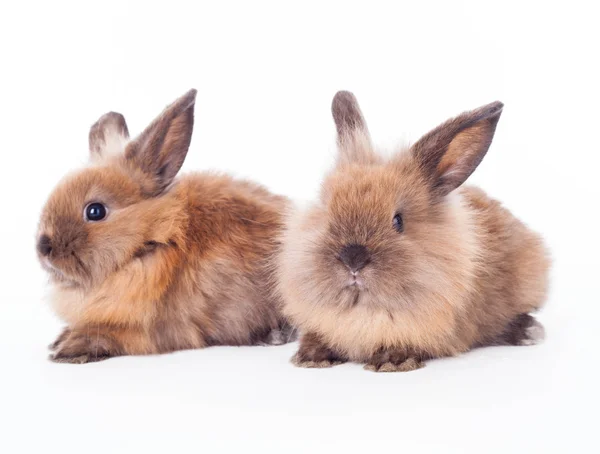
(141, 263)
(398, 263)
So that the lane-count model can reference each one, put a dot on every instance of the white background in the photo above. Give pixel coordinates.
(265, 74)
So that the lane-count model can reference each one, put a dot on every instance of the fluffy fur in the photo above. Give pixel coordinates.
(176, 264)
(458, 272)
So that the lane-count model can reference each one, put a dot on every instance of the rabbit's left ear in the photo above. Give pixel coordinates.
(160, 150)
(354, 141)
(108, 136)
(451, 152)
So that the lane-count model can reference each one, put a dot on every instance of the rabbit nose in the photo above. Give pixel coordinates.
(44, 245)
(355, 257)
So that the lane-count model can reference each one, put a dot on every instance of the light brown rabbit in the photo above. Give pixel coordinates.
(142, 263)
(398, 263)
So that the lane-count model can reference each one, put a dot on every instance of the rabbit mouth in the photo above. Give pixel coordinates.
(355, 282)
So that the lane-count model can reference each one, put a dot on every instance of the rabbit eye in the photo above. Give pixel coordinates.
(95, 212)
(398, 223)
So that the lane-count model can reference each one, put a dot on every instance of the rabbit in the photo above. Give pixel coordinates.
(399, 263)
(141, 262)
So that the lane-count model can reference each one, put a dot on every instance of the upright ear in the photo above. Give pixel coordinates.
(452, 151)
(160, 150)
(354, 141)
(108, 136)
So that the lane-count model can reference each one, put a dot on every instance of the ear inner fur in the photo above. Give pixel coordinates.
(453, 150)
(108, 135)
(161, 149)
(354, 141)
(347, 114)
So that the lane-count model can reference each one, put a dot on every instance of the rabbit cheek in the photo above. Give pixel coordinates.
(64, 251)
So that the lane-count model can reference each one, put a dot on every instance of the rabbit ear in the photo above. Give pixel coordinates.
(108, 136)
(452, 151)
(354, 141)
(160, 150)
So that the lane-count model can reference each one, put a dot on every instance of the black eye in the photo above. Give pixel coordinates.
(95, 212)
(398, 223)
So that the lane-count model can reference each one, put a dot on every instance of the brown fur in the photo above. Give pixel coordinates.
(175, 264)
(314, 353)
(458, 276)
(110, 125)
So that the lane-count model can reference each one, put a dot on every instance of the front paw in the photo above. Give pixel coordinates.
(80, 348)
(314, 353)
(308, 363)
(66, 332)
(405, 366)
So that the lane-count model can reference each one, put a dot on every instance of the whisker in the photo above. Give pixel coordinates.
(81, 265)
(97, 338)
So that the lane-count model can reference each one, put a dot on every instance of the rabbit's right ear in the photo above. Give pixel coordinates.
(354, 141)
(108, 136)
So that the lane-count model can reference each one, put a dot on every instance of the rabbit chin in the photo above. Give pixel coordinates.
(353, 294)
(58, 276)
(363, 290)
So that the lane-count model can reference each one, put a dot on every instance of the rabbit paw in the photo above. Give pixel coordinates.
(522, 330)
(404, 366)
(394, 360)
(533, 334)
(313, 353)
(300, 361)
(80, 348)
(66, 332)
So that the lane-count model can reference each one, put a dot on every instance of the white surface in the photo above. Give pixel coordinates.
(266, 74)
